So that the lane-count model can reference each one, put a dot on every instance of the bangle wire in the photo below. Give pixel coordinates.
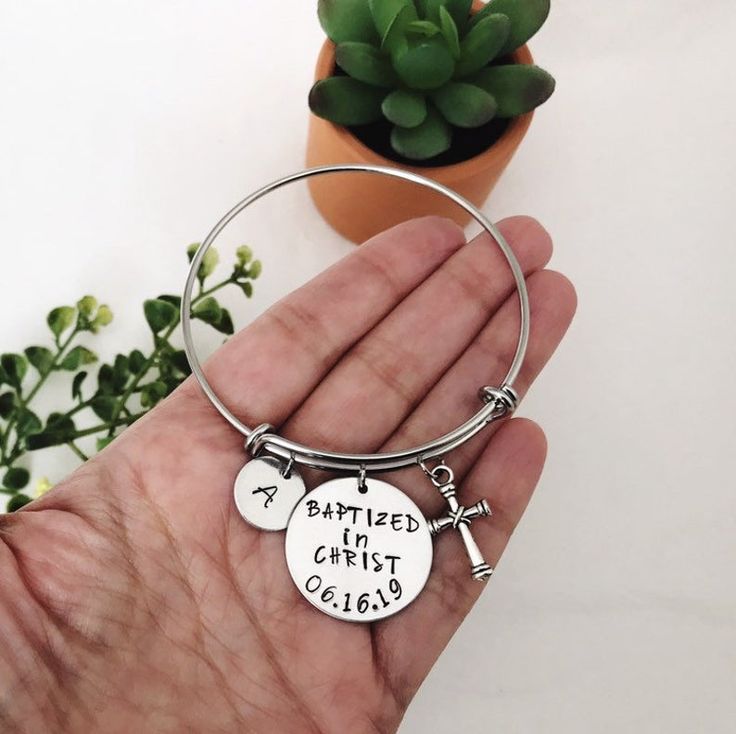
(495, 407)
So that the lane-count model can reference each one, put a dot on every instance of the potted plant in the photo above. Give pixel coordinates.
(445, 88)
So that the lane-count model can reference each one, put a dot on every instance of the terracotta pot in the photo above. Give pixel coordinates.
(359, 205)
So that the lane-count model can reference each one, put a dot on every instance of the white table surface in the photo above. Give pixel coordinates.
(129, 127)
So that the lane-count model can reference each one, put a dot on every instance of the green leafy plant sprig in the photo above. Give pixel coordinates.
(429, 67)
(124, 390)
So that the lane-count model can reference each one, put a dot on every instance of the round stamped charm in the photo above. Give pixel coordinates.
(358, 556)
(264, 496)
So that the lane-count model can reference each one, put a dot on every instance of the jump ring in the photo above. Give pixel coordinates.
(504, 397)
(437, 472)
(254, 442)
(286, 473)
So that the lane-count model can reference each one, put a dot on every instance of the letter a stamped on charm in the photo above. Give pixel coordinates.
(270, 493)
(265, 496)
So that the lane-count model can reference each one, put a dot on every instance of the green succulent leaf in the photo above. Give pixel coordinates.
(347, 20)
(120, 372)
(209, 261)
(449, 31)
(46, 439)
(458, 9)
(394, 41)
(104, 406)
(17, 501)
(53, 417)
(431, 9)
(405, 108)
(103, 317)
(153, 392)
(426, 66)
(104, 379)
(385, 12)
(27, 423)
(346, 101)
(60, 319)
(121, 367)
(482, 44)
(175, 301)
(15, 367)
(225, 324)
(247, 288)
(244, 254)
(59, 430)
(16, 478)
(180, 362)
(517, 88)
(136, 361)
(526, 18)
(41, 358)
(425, 141)
(103, 442)
(160, 314)
(365, 63)
(86, 306)
(208, 310)
(112, 380)
(465, 105)
(424, 28)
(255, 270)
(7, 404)
(77, 382)
(77, 357)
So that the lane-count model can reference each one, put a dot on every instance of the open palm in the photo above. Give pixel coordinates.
(133, 597)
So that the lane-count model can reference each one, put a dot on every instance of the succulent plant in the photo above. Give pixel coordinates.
(428, 66)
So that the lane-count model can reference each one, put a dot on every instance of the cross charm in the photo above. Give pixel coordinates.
(459, 518)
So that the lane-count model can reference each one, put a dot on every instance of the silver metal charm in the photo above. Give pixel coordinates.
(459, 518)
(267, 491)
(359, 550)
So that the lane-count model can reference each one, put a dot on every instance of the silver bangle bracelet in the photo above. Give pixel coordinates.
(497, 402)
(358, 548)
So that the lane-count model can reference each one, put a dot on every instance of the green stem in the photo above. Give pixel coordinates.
(7, 458)
(121, 415)
(214, 289)
(138, 377)
(4, 443)
(133, 386)
(17, 452)
(79, 406)
(12, 455)
(125, 421)
(77, 450)
(54, 364)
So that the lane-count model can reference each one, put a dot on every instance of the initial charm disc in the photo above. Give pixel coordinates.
(358, 556)
(264, 496)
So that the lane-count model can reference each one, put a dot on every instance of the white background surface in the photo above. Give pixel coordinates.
(129, 127)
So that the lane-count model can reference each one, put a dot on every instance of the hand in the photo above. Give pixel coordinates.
(135, 599)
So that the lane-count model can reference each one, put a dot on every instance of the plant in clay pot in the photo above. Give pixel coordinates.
(444, 87)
